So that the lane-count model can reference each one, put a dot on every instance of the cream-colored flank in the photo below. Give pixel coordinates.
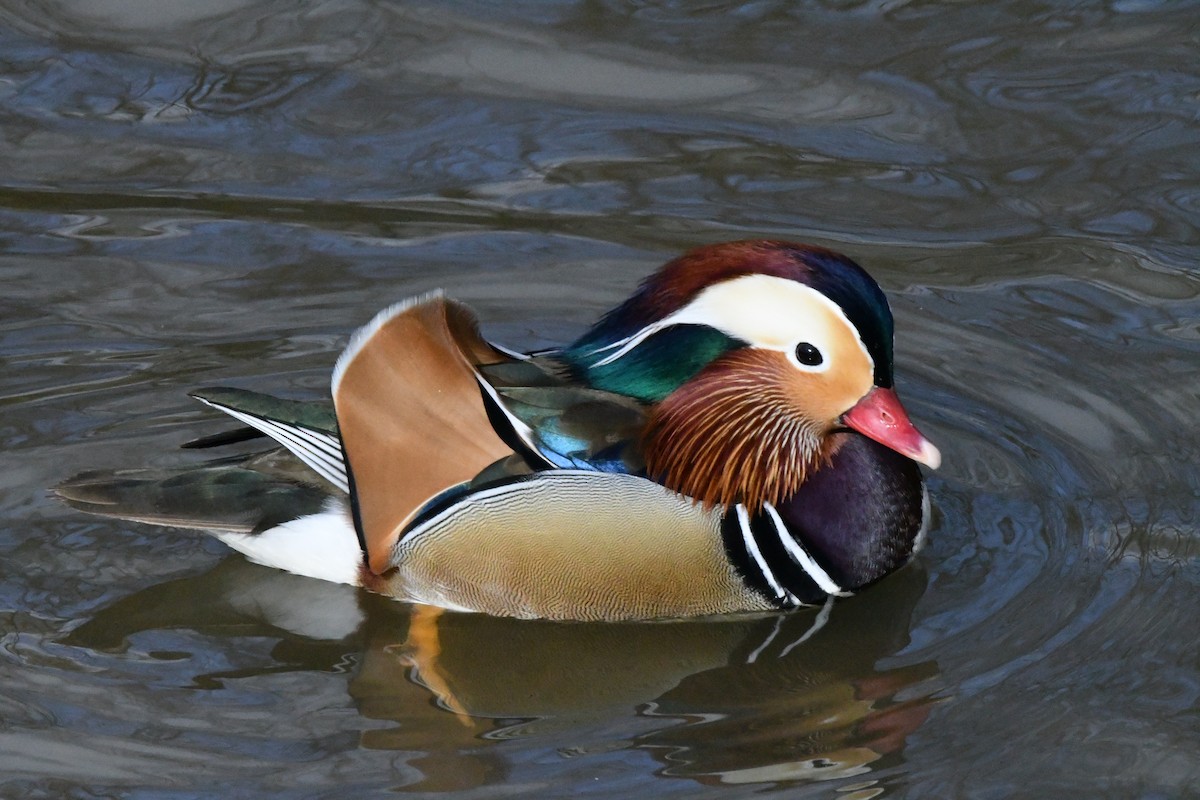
(568, 544)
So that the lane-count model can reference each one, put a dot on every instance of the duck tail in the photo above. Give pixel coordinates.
(245, 501)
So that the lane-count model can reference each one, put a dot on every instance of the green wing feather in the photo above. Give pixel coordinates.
(571, 425)
(315, 415)
(307, 428)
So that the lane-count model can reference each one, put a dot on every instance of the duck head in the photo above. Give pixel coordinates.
(752, 355)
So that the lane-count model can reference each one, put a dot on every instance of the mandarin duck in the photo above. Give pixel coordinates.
(728, 439)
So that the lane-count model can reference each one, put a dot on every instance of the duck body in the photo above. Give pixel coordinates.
(727, 440)
(616, 546)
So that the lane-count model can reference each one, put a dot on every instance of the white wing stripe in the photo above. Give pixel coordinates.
(320, 451)
(298, 442)
(333, 471)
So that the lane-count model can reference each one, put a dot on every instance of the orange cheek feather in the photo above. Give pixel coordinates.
(741, 431)
(823, 396)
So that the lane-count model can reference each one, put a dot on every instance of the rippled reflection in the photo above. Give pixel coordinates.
(745, 699)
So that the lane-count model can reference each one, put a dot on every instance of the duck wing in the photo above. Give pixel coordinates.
(568, 425)
(244, 494)
(427, 412)
(307, 428)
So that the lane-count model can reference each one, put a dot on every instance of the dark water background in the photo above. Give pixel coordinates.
(218, 192)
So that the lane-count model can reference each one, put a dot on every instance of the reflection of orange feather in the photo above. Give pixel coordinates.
(424, 648)
(734, 433)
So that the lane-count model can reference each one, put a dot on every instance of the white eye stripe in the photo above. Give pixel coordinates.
(767, 312)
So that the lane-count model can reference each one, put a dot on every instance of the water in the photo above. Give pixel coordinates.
(197, 194)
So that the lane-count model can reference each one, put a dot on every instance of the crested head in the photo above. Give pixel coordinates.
(750, 354)
(659, 323)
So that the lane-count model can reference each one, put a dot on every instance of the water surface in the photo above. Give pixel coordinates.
(218, 193)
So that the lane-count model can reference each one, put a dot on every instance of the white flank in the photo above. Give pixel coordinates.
(767, 312)
(322, 546)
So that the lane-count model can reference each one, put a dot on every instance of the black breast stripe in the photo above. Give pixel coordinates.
(736, 536)
(757, 551)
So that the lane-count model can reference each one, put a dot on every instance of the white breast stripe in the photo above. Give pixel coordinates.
(923, 533)
(756, 554)
(801, 557)
(320, 451)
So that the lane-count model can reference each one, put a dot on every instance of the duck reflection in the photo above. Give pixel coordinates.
(742, 699)
(803, 709)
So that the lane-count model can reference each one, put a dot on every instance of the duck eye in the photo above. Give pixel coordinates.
(808, 355)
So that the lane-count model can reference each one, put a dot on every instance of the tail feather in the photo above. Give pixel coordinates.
(226, 495)
(234, 436)
(251, 502)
